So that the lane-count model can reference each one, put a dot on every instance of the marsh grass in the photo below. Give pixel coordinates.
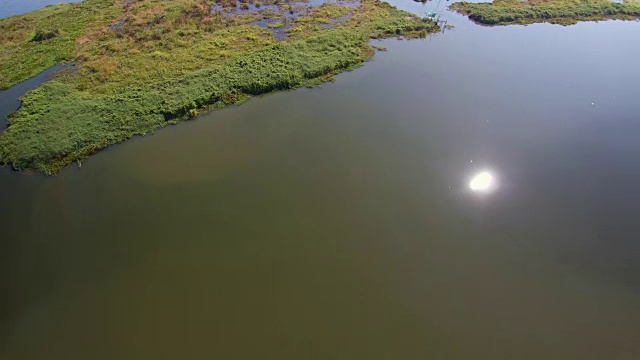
(147, 64)
(22, 58)
(563, 12)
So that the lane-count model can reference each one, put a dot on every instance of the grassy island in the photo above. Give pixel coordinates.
(139, 65)
(564, 12)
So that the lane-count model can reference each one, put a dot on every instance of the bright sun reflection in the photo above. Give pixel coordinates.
(482, 182)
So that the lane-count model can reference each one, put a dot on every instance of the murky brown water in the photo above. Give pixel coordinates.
(336, 222)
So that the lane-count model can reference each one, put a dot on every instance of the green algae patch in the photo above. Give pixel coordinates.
(563, 12)
(159, 63)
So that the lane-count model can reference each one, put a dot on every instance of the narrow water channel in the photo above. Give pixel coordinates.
(337, 222)
(10, 98)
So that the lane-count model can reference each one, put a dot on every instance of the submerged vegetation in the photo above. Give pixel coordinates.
(564, 12)
(143, 64)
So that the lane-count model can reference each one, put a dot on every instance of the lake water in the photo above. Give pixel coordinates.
(336, 222)
(15, 7)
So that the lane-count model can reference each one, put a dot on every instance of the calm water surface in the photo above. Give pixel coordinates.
(15, 7)
(335, 222)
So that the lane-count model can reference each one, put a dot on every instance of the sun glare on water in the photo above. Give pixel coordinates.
(482, 182)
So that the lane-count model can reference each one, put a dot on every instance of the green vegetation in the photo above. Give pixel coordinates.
(564, 12)
(143, 64)
(42, 35)
(22, 58)
(278, 24)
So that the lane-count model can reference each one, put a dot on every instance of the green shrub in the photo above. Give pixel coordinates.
(42, 35)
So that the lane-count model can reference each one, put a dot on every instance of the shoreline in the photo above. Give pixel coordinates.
(129, 80)
(78, 114)
(14, 93)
